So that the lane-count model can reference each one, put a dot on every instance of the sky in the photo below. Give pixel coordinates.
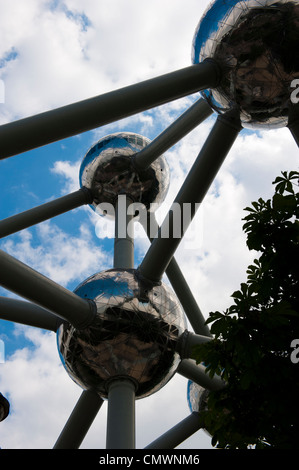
(53, 53)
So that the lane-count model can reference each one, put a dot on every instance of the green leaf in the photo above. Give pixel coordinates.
(284, 203)
(278, 179)
(244, 288)
(294, 175)
(237, 295)
(251, 348)
(219, 326)
(254, 241)
(249, 209)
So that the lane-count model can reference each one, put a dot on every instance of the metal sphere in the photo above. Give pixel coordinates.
(4, 407)
(108, 171)
(196, 396)
(255, 42)
(134, 335)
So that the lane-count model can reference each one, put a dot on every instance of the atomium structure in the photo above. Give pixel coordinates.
(122, 333)
(4, 407)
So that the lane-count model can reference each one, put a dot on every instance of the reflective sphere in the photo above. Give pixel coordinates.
(134, 334)
(256, 43)
(196, 396)
(4, 407)
(108, 171)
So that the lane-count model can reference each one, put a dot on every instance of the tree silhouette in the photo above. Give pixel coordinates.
(254, 339)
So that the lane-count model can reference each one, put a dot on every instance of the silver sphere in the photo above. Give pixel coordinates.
(197, 397)
(108, 171)
(134, 335)
(255, 42)
(4, 407)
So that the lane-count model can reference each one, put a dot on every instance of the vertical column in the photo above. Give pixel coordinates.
(124, 234)
(197, 183)
(121, 415)
(121, 391)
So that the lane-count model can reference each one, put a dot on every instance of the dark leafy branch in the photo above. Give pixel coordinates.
(251, 349)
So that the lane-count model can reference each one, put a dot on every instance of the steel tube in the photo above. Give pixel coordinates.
(51, 126)
(26, 313)
(197, 373)
(196, 185)
(190, 119)
(178, 434)
(121, 415)
(31, 285)
(186, 297)
(188, 341)
(180, 286)
(79, 421)
(124, 237)
(44, 212)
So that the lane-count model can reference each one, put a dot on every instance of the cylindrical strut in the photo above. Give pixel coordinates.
(121, 415)
(26, 313)
(179, 284)
(121, 391)
(195, 187)
(190, 119)
(124, 234)
(178, 434)
(44, 212)
(197, 373)
(51, 126)
(79, 421)
(30, 284)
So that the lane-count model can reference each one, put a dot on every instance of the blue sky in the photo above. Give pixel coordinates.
(56, 53)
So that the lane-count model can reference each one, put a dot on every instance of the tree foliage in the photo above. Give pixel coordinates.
(251, 349)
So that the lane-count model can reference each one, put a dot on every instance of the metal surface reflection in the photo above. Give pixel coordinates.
(255, 41)
(4, 407)
(108, 170)
(196, 396)
(134, 335)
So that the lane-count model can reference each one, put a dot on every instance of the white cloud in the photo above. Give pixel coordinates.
(72, 52)
(42, 397)
(39, 392)
(58, 255)
(69, 171)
